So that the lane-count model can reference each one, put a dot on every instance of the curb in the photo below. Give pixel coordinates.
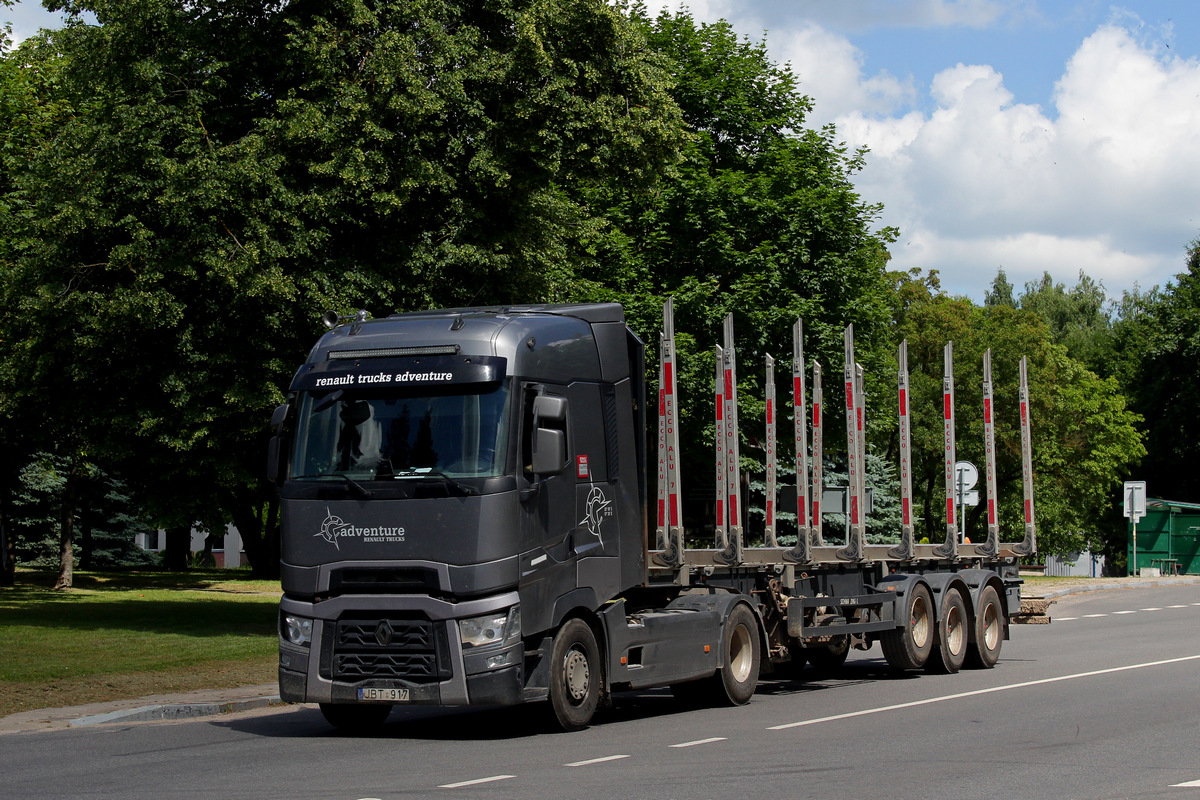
(1100, 587)
(170, 711)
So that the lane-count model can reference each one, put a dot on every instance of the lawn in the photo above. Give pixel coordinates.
(133, 634)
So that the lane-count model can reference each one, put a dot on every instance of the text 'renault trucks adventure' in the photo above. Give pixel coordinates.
(469, 518)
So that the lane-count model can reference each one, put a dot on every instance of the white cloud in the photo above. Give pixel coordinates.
(830, 68)
(865, 14)
(1106, 184)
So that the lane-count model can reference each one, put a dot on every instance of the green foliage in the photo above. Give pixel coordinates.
(107, 521)
(1160, 341)
(1085, 438)
(1078, 318)
(760, 219)
(191, 185)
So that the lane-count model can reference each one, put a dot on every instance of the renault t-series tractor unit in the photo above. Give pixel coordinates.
(472, 515)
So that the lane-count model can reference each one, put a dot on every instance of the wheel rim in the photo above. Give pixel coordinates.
(577, 674)
(918, 623)
(955, 630)
(991, 627)
(741, 654)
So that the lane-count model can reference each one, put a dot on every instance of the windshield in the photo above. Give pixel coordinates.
(390, 434)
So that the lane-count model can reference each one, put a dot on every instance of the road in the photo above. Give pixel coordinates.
(1103, 703)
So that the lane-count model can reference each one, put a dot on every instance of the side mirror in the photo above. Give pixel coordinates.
(549, 451)
(279, 417)
(274, 459)
(276, 450)
(550, 409)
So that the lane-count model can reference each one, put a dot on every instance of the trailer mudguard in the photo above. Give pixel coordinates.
(942, 582)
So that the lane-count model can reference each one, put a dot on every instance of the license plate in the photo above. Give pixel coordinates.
(383, 695)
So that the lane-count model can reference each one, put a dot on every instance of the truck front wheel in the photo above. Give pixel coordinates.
(576, 676)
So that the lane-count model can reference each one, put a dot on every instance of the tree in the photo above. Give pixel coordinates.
(223, 173)
(1078, 318)
(1161, 345)
(1001, 292)
(760, 219)
(1084, 436)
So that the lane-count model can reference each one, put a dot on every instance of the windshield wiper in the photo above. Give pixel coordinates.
(438, 476)
(366, 493)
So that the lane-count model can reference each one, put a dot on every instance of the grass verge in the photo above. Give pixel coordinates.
(133, 634)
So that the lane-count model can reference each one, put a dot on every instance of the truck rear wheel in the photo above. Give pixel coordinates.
(355, 718)
(950, 649)
(984, 652)
(576, 676)
(908, 647)
(739, 646)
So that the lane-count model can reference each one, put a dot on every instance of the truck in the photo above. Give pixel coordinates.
(471, 516)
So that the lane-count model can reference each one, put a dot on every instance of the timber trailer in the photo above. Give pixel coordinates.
(468, 518)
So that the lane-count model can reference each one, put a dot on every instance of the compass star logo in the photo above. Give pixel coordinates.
(331, 528)
(597, 509)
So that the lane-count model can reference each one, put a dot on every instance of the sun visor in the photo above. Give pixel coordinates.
(414, 371)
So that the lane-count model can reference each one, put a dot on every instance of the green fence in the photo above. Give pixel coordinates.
(1168, 537)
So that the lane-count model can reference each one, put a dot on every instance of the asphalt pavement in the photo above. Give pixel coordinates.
(213, 702)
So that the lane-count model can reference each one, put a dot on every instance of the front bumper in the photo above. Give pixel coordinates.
(417, 648)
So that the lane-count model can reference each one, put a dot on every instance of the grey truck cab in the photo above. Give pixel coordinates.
(454, 485)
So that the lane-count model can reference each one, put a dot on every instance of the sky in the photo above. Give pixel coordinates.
(1030, 135)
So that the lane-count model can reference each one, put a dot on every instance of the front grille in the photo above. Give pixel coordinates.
(416, 668)
(386, 647)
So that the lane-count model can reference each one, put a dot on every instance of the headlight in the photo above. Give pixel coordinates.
(297, 630)
(499, 628)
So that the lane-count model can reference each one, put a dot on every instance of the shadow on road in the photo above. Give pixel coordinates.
(423, 723)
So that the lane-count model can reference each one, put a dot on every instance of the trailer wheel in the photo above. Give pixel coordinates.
(828, 661)
(984, 652)
(739, 645)
(952, 635)
(355, 718)
(575, 675)
(909, 647)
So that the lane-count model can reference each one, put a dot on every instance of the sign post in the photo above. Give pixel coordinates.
(966, 475)
(1135, 509)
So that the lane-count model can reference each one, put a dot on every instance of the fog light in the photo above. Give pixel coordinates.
(502, 660)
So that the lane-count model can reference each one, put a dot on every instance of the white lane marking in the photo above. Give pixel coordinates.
(977, 692)
(1130, 611)
(1196, 604)
(700, 741)
(1188, 785)
(594, 761)
(475, 782)
(1065, 619)
(1155, 608)
(1093, 616)
(1176, 606)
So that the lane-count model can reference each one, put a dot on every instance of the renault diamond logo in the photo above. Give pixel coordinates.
(383, 633)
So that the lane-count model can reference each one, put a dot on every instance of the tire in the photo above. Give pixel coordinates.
(828, 661)
(576, 675)
(741, 654)
(909, 647)
(352, 718)
(984, 650)
(953, 635)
